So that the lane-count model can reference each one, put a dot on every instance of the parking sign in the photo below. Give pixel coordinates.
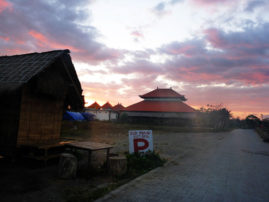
(140, 141)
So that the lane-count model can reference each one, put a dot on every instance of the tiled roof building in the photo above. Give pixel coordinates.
(118, 107)
(162, 103)
(107, 105)
(95, 105)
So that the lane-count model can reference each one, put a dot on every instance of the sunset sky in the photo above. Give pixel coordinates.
(211, 51)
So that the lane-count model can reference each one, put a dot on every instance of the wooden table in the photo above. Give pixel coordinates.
(90, 147)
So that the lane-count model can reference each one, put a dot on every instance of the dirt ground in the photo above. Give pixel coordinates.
(30, 181)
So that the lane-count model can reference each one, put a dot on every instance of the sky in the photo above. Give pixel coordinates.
(212, 51)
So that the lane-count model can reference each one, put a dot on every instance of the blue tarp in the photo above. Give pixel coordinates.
(78, 116)
(88, 116)
(73, 116)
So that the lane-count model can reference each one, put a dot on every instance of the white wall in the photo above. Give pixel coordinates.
(103, 115)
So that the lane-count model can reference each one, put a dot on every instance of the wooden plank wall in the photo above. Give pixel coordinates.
(40, 119)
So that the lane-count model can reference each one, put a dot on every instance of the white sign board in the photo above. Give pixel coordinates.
(140, 141)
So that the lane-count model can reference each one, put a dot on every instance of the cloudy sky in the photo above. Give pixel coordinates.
(211, 51)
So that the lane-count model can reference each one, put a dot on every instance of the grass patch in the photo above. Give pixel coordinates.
(87, 194)
(85, 129)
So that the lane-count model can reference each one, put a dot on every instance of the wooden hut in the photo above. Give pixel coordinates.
(35, 89)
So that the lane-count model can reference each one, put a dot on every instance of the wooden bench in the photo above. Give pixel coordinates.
(42, 152)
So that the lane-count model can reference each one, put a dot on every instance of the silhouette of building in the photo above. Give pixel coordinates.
(35, 89)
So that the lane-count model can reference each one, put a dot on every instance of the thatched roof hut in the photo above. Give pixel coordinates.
(35, 88)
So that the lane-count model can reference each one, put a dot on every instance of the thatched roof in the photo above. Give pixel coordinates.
(18, 70)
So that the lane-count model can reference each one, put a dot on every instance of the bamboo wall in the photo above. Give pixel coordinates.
(40, 119)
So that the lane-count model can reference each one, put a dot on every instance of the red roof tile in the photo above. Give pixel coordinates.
(107, 106)
(119, 107)
(162, 93)
(95, 105)
(160, 106)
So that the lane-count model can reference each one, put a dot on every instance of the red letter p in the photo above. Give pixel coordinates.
(137, 148)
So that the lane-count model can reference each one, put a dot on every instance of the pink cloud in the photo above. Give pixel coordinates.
(210, 2)
(214, 37)
(241, 101)
(5, 5)
(253, 78)
(4, 38)
(43, 41)
(137, 34)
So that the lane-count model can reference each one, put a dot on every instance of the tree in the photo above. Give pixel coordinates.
(215, 116)
(252, 121)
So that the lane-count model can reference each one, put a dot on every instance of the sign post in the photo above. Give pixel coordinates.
(140, 141)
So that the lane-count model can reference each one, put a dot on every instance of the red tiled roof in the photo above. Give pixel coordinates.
(95, 105)
(119, 107)
(107, 106)
(160, 106)
(162, 93)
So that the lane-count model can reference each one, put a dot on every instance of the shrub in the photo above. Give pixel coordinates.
(140, 163)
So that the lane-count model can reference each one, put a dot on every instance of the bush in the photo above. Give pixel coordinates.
(140, 163)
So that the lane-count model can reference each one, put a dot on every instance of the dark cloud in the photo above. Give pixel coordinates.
(160, 7)
(173, 2)
(252, 5)
(252, 42)
(187, 48)
(143, 54)
(44, 25)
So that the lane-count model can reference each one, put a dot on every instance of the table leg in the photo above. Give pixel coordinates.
(107, 158)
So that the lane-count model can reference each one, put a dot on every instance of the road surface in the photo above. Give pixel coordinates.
(236, 168)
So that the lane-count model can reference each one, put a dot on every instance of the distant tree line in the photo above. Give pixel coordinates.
(219, 117)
